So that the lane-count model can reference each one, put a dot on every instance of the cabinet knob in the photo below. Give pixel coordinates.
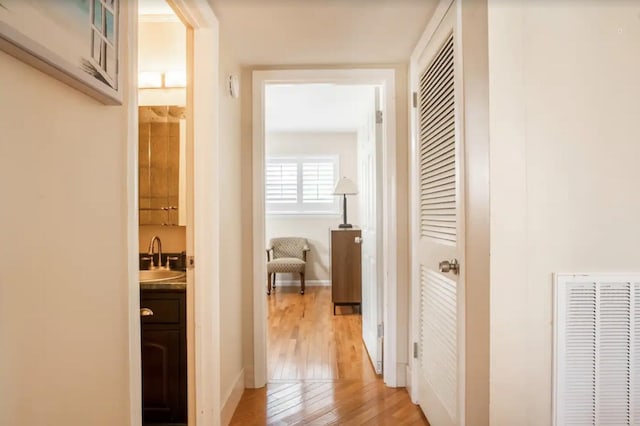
(357, 240)
(146, 312)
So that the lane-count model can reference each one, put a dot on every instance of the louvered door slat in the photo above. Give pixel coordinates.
(441, 143)
(442, 191)
(441, 102)
(438, 186)
(449, 199)
(427, 134)
(438, 69)
(427, 181)
(438, 334)
(440, 65)
(442, 146)
(437, 149)
(441, 162)
(441, 167)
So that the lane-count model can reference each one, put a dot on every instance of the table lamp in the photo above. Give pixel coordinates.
(344, 187)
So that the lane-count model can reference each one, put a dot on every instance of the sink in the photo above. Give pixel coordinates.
(158, 275)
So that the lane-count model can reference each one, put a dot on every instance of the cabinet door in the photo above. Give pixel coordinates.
(163, 389)
(346, 270)
(164, 358)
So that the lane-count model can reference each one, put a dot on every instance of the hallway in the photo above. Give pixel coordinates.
(319, 371)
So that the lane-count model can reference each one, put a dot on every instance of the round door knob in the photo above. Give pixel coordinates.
(449, 266)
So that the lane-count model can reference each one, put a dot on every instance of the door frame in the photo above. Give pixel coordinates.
(384, 77)
(203, 312)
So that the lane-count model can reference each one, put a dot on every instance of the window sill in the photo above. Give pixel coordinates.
(305, 214)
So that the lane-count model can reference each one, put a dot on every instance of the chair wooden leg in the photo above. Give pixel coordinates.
(301, 282)
(273, 285)
(268, 284)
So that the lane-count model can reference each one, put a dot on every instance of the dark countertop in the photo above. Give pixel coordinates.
(177, 284)
(172, 284)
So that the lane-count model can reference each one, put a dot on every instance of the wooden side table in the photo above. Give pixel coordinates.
(346, 268)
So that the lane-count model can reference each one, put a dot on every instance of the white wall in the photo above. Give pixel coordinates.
(64, 291)
(564, 147)
(315, 228)
(231, 248)
(162, 46)
(173, 238)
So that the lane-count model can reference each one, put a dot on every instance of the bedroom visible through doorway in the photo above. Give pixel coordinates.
(315, 136)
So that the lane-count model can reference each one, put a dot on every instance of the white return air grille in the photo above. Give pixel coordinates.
(438, 344)
(597, 350)
(437, 147)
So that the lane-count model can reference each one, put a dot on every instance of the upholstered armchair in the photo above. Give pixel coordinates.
(286, 255)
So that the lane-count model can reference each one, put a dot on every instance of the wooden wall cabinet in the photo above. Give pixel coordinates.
(346, 267)
(164, 358)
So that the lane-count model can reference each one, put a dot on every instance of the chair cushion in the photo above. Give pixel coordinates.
(285, 264)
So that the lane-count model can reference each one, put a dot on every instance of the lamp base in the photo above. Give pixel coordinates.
(345, 225)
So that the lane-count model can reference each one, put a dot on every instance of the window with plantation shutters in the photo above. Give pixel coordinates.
(281, 182)
(437, 148)
(318, 181)
(301, 185)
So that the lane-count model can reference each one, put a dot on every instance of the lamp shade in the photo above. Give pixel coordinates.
(345, 186)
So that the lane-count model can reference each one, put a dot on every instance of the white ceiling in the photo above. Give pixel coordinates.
(317, 107)
(269, 32)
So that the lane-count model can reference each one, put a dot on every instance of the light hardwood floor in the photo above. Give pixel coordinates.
(319, 371)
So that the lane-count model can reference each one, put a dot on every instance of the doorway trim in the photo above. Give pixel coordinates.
(384, 77)
(203, 312)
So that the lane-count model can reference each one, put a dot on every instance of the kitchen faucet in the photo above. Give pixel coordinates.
(151, 244)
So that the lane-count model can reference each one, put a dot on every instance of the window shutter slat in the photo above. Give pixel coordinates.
(281, 182)
(318, 178)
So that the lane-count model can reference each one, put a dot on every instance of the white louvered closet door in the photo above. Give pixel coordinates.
(439, 236)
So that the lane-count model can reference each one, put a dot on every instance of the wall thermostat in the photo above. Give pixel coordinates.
(234, 86)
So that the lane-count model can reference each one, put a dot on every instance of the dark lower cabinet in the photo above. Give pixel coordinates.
(164, 358)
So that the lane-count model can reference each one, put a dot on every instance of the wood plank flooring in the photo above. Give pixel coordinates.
(319, 371)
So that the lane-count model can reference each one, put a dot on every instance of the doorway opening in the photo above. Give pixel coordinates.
(312, 129)
(164, 213)
(202, 214)
(322, 274)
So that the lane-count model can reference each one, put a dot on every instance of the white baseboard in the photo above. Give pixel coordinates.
(249, 378)
(410, 389)
(307, 283)
(401, 377)
(230, 403)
